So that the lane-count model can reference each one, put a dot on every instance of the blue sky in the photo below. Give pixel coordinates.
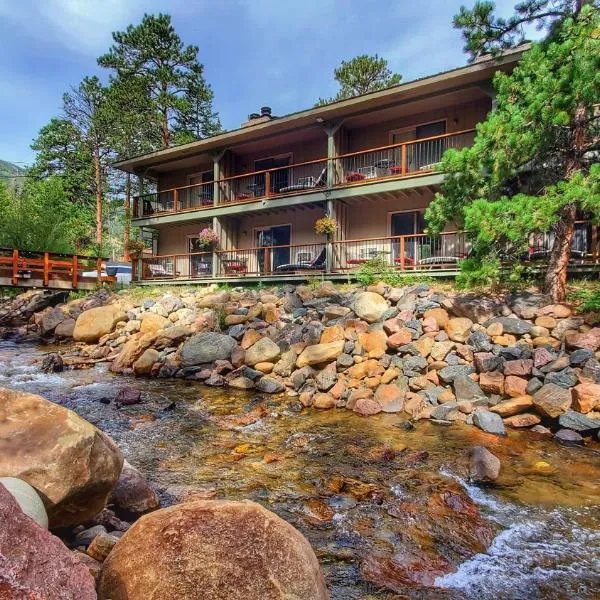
(260, 52)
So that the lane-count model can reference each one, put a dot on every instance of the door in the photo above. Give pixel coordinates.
(202, 194)
(424, 154)
(279, 179)
(408, 223)
(270, 257)
(200, 264)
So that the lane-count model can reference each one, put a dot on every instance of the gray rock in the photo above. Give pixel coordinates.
(483, 465)
(286, 363)
(326, 378)
(568, 437)
(489, 422)
(581, 356)
(215, 380)
(52, 363)
(442, 411)
(512, 326)
(344, 361)
(265, 350)
(237, 331)
(578, 422)
(449, 374)
(566, 378)
(526, 304)
(479, 341)
(533, 385)
(312, 333)
(51, 319)
(486, 361)
(467, 389)
(85, 537)
(269, 385)
(591, 370)
(566, 324)
(206, 347)
(510, 353)
(27, 498)
(413, 365)
(475, 307)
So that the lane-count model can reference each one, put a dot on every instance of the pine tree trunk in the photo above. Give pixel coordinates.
(98, 170)
(166, 139)
(127, 223)
(556, 276)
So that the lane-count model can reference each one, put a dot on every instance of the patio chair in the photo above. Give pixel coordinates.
(315, 265)
(306, 183)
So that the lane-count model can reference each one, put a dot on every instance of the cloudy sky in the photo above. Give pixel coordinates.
(279, 53)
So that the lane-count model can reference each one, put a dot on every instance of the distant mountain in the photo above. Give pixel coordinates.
(10, 172)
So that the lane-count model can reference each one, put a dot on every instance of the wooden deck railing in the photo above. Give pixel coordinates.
(46, 268)
(406, 159)
(417, 253)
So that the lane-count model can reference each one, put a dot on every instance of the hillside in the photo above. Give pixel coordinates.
(9, 172)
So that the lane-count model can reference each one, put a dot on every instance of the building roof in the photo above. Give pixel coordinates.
(477, 72)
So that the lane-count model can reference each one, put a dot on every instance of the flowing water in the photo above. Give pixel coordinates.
(190, 439)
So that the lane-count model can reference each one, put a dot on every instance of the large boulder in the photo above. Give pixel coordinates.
(489, 422)
(206, 347)
(34, 564)
(73, 465)
(211, 549)
(370, 306)
(92, 324)
(132, 495)
(512, 325)
(265, 350)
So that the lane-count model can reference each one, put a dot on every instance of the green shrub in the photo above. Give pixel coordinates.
(587, 297)
(377, 269)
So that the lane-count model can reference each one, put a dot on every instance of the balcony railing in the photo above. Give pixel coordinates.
(406, 159)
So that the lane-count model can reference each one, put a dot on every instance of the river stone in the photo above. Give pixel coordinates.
(270, 385)
(514, 406)
(568, 437)
(206, 347)
(578, 422)
(442, 411)
(390, 397)
(51, 319)
(34, 564)
(489, 422)
(326, 378)
(152, 322)
(143, 365)
(370, 306)
(52, 363)
(483, 465)
(512, 325)
(551, 400)
(522, 420)
(466, 389)
(27, 498)
(132, 496)
(92, 324)
(264, 350)
(73, 465)
(586, 397)
(218, 550)
(241, 383)
(320, 353)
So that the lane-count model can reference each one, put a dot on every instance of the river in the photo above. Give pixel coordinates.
(190, 439)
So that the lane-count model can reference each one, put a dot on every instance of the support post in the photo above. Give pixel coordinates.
(15, 266)
(268, 184)
(329, 243)
(217, 155)
(74, 272)
(140, 266)
(330, 129)
(140, 202)
(594, 243)
(98, 268)
(46, 269)
(215, 255)
(403, 165)
(175, 201)
(402, 253)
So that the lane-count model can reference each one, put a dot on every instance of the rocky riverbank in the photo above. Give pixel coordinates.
(514, 361)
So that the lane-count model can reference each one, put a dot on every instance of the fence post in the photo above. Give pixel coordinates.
(74, 274)
(15, 266)
(46, 269)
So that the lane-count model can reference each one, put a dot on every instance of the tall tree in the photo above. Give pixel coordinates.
(533, 165)
(153, 54)
(61, 150)
(87, 109)
(361, 75)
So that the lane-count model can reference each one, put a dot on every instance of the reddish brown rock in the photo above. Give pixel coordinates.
(586, 397)
(590, 339)
(439, 315)
(542, 357)
(514, 406)
(400, 338)
(374, 343)
(552, 400)
(211, 549)
(132, 494)
(560, 311)
(390, 397)
(519, 367)
(492, 382)
(323, 401)
(522, 420)
(34, 564)
(367, 368)
(366, 407)
(515, 386)
(332, 334)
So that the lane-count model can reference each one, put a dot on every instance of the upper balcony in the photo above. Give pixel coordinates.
(389, 163)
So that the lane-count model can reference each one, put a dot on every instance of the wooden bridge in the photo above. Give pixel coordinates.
(28, 269)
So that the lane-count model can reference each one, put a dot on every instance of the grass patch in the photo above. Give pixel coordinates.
(584, 295)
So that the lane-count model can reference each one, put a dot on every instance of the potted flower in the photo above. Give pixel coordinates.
(208, 239)
(325, 226)
(135, 248)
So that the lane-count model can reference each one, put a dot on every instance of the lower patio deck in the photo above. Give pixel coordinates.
(439, 256)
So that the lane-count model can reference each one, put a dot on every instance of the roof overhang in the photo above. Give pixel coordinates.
(476, 73)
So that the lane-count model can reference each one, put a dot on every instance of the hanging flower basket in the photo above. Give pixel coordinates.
(208, 239)
(135, 248)
(325, 226)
